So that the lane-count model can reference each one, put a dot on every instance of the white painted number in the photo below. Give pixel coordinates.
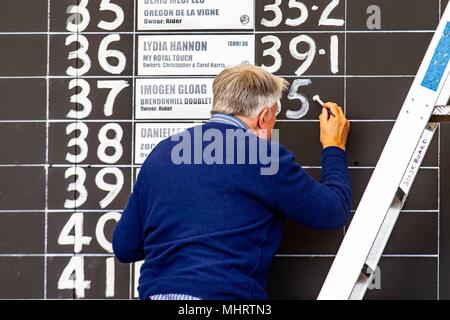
(275, 8)
(79, 17)
(110, 278)
(75, 223)
(100, 230)
(80, 98)
(115, 86)
(104, 53)
(273, 52)
(294, 94)
(114, 143)
(77, 186)
(112, 189)
(79, 141)
(106, 5)
(72, 277)
(307, 57)
(303, 13)
(334, 54)
(324, 18)
(78, 240)
(79, 54)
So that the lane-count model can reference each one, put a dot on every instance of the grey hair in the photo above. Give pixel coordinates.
(246, 90)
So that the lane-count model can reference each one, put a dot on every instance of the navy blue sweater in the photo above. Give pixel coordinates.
(211, 231)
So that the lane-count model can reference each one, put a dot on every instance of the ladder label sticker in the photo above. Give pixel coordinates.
(414, 165)
(439, 63)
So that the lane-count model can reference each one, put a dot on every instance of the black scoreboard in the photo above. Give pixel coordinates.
(89, 87)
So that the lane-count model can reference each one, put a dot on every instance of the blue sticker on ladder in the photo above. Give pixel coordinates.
(439, 63)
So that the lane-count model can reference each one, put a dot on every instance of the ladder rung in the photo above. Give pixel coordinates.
(441, 114)
(445, 118)
(441, 110)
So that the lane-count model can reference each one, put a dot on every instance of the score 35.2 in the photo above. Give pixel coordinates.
(302, 47)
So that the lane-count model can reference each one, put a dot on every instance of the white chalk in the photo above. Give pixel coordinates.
(318, 100)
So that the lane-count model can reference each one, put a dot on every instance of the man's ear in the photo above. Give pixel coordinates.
(263, 118)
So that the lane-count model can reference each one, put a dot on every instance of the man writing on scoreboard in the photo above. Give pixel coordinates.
(207, 208)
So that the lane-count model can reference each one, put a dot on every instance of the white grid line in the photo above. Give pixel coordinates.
(155, 121)
(213, 32)
(58, 210)
(47, 124)
(180, 76)
(294, 255)
(439, 196)
(439, 213)
(20, 255)
(345, 56)
(344, 228)
(131, 267)
(421, 211)
(349, 31)
(194, 121)
(333, 255)
(121, 209)
(135, 165)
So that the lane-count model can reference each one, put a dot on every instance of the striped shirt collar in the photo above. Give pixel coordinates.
(228, 119)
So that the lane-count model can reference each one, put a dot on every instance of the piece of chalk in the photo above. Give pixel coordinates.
(318, 100)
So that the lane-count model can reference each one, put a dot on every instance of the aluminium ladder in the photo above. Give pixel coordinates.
(426, 105)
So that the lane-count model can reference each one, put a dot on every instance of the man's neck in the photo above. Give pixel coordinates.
(251, 124)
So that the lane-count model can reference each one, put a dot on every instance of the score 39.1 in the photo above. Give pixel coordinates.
(300, 51)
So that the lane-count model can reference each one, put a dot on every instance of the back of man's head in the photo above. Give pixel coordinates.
(245, 90)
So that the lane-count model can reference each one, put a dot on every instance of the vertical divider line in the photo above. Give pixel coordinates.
(76, 120)
(131, 267)
(439, 197)
(439, 214)
(47, 116)
(344, 229)
(254, 26)
(345, 56)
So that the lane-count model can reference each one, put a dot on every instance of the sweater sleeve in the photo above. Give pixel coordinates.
(318, 205)
(128, 241)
